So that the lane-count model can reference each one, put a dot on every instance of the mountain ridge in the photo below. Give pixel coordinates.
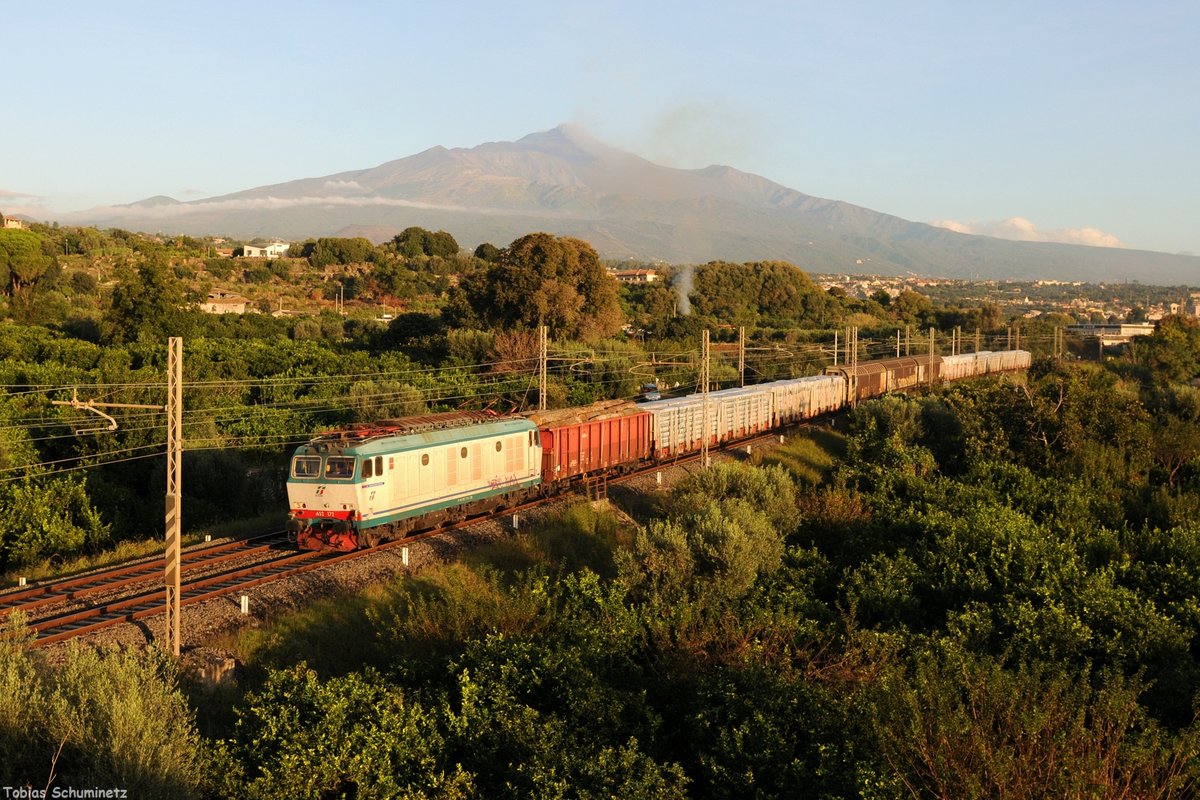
(566, 182)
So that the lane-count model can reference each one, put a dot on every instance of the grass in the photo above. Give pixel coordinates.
(334, 635)
(809, 455)
(444, 603)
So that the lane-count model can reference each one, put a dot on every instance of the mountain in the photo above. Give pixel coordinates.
(565, 182)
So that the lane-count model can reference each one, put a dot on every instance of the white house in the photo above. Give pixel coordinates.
(636, 275)
(273, 250)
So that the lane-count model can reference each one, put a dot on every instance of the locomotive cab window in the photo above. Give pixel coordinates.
(339, 467)
(368, 471)
(306, 467)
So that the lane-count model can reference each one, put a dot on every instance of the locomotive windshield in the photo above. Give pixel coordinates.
(306, 467)
(339, 467)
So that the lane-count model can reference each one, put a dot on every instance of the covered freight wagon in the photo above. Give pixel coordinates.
(679, 424)
(873, 378)
(741, 412)
(963, 365)
(804, 398)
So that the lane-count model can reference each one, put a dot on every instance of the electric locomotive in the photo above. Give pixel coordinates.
(358, 487)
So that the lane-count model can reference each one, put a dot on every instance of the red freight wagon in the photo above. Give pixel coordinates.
(579, 446)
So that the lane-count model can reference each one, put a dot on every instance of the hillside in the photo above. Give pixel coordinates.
(565, 182)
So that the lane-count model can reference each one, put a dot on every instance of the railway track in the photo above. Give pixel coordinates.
(87, 595)
(125, 594)
(63, 609)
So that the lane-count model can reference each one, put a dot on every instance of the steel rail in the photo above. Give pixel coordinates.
(65, 589)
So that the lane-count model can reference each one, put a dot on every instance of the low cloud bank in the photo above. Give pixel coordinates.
(1022, 230)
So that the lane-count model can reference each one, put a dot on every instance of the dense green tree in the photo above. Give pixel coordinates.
(375, 400)
(541, 279)
(148, 303)
(911, 307)
(652, 306)
(24, 259)
(741, 294)
(43, 517)
(487, 252)
(1172, 353)
(725, 528)
(990, 317)
(397, 280)
(415, 242)
(333, 250)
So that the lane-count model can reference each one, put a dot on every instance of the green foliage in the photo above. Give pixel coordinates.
(741, 294)
(83, 283)
(653, 306)
(769, 490)
(542, 279)
(24, 259)
(48, 516)
(725, 529)
(913, 308)
(760, 732)
(375, 400)
(28, 753)
(583, 538)
(1172, 353)
(333, 250)
(306, 329)
(955, 724)
(112, 719)
(146, 304)
(415, 242)
(257, 274)
(304, 737)
(398, 280)
(220, 268)
(487, 252)
(538, 721)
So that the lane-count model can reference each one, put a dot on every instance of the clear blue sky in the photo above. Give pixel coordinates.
(1070, 115)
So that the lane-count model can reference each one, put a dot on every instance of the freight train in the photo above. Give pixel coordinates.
(360, 486)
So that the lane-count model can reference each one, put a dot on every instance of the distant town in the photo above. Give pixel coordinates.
(1081, 301)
